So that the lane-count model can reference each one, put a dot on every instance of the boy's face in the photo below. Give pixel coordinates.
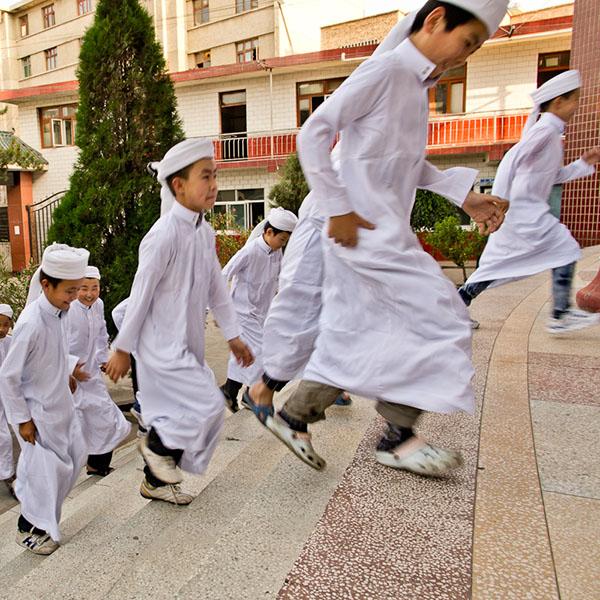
(276, 241)
(199, 191)
(450, 49)
(5, 324)
(63, 294)
(89, 291)
(565, 108)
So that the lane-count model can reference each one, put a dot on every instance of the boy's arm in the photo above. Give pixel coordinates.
(236, 263)
(102, 339)
(576, 170)
(220, 303)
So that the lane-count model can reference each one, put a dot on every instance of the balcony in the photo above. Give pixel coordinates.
(491, 133)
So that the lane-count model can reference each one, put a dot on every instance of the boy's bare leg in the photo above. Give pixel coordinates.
(261, 394)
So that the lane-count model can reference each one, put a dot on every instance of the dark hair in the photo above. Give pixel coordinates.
(455, 15)
(53, 281)
(275, 230)
(183, 173)
(546, 105)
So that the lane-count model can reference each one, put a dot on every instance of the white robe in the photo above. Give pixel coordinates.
(34, 379)
(392, 326)
(531, 239)
(254, 271)
(103, 424)
(7, 461)
(178, 276)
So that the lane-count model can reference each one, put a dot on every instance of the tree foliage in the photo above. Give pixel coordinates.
(126, 117)
(291, 189)
(430, 209)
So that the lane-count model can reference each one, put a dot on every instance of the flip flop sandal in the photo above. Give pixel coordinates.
(417, 456)
(103, 473)
(343, 400)
(298, 442)
(229, 401)
(261, 411)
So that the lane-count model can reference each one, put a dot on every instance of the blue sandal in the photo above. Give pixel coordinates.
(261, 412)
(343, 400)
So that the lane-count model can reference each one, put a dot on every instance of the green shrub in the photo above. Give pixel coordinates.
(291, 189)
(430, 209)
(14, 287)
(230, 237)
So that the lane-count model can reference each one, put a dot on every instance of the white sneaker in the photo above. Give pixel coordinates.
(38, 543)
(162, 467)
(572, 320)
(166, 493)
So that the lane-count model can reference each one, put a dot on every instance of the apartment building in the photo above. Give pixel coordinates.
(248, 73)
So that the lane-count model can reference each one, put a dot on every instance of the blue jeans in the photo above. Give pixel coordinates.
(468, 292)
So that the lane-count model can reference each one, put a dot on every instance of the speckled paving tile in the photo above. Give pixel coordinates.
(567, 439)
(574, 525)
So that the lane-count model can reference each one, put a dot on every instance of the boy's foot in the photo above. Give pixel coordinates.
(343, 400)
(10, 486)
(417, 456)
(38, 543)
(162, 467)
(103, 473)
(142, 430)
(474, 324)
(230, 403)
(298, 442)
(263, 412)
(572, 320)
(166, 493)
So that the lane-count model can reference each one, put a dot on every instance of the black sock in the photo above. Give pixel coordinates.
(26, 527)
(293, 423)
(393, 437)
(275, 385)
(232, 388)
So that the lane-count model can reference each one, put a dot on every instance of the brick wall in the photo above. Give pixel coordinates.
(581, 199)
(358, 30)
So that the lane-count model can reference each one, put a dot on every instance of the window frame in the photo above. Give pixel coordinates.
(327, 91)
(242, 6)
(243, 203)
(62, 119)
(51, 56)
(4, 225)
(84, 7)
(202, 64)
(449, 81)
(254, 48)
(26, 66)
(24, 20)
(557, 69)
(201, 11)
(48, 14)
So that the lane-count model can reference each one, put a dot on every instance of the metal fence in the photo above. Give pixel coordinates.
(40, 220)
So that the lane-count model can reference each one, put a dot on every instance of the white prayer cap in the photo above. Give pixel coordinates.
(6, 310)
(557, 86)
(179, 157)
(63, 262)
(92, 273)
(489, 12)
(282, 219)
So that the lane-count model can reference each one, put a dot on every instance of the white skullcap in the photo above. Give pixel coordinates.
(63, 262)
(6, 310)
(282, 219)
(179, 157)
(92, 273)
(489, 12)
(557, 86)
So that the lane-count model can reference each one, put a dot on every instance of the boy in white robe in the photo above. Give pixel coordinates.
(7, 463)
(103, 424)
(254, 270)
(532, 239)
(391, 327)
(35, 379)
(178, 276)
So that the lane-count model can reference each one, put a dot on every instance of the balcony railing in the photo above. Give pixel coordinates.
(452, 131)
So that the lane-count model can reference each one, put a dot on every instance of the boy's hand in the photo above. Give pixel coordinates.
(27, 431)
(591, 157)
(486, 210)
(80, 374)
(344, 229)
(118, 365)
(241, 352)
(72, 384)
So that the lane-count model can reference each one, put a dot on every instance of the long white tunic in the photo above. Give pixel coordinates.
(531, 239)
(254, 271)
(392, 325)
(7, 464)
(178, 276)
(34, 379)
(103, 424)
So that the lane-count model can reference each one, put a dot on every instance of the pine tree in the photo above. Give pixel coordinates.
(126, 117)
(291, 189)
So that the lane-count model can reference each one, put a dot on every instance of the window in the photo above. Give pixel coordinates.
(201, 13)
(244, 5)
(448, 96)
(51, 58)
(24, 25)
(203, 59)
(552, 64)
(4, 236)
(57, 124)
(26, 62)
(312, 94)
(234, 140)
(247, 51)
(48, 16)
(84, 7)
(246, 208)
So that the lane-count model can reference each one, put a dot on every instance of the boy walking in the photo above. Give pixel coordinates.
(254, 270)
(34, 380)
(532, 239)
(178, 276)
(103, 424)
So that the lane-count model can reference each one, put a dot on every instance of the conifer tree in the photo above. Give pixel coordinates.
(292, 188)
(126, 117)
